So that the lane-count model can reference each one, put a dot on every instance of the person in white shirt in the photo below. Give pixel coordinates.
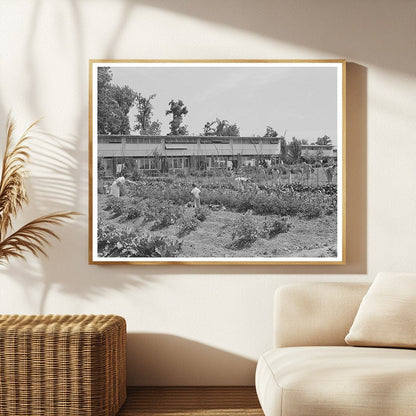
(116, 186)
(197, 200)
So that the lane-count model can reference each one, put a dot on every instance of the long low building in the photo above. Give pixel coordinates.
(172, 153)
(324, 152)
(183, 152)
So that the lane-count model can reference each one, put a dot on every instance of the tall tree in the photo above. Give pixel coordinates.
(155, 128)
(124, 97)
(221, 128)
(145, 111)
(270, 132)
(294, 150)
(113, 104)
(325, 140)
(178, 111)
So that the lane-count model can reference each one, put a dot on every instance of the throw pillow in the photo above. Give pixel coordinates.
(387, 314)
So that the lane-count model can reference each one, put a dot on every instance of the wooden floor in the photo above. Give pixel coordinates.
(187, 401)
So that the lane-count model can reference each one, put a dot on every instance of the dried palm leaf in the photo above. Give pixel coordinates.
(12, 184)
(34, 236)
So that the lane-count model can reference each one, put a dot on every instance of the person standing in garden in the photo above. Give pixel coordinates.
(117, 187)
(195, 192)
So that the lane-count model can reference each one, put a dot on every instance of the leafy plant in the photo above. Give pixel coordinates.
(201, 214)
(136, 175)
(108, 238)
(125, 242)
(116, 205)
(244, 231)
(164, 215)
(149, 245)
(189, 222)
(275, 226)
(132, 213)
(34, 236)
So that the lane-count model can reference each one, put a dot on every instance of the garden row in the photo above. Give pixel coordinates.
(231, 184)
(132, 242)
(262, 202)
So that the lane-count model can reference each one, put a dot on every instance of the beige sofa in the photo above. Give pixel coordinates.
(312, 371)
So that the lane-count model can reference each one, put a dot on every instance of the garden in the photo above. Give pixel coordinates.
(260, 218)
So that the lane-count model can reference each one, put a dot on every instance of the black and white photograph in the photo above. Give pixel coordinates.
(217, 162)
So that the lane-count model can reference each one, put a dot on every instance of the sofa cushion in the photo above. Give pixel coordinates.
(342, 381)
(387, 314)
(315, 314)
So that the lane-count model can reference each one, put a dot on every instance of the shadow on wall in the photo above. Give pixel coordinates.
(58, 180)
(54, 187)
(340, 28)
(161, 359)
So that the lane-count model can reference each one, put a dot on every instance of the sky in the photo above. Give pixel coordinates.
(298, 101)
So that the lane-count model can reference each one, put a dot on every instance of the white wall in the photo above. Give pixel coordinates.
(204, 325)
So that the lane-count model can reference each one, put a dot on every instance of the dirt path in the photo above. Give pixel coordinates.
(306, 238)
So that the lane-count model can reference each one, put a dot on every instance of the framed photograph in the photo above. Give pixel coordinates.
(217, 162)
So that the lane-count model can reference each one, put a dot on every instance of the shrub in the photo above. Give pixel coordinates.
(314, 211)
(201, 213)
(155, 246)
(107, 238)
(125, 242)
(275, 226)
(115, 205)
(244, 232)
(164, 215)
(186, 224)
(108, 203)
(177, 195)
(132, 213)
(137, 175)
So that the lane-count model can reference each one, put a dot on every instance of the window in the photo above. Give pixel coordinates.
(220, 140)
(177, 163)
(180, 140)
(143, 140)
(145, 163)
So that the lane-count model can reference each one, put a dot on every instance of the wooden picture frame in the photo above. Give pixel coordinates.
(217, 162)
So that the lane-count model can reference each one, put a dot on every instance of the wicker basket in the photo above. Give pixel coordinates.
(72, 365)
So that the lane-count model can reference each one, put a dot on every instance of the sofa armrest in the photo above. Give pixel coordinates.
(309, 314)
